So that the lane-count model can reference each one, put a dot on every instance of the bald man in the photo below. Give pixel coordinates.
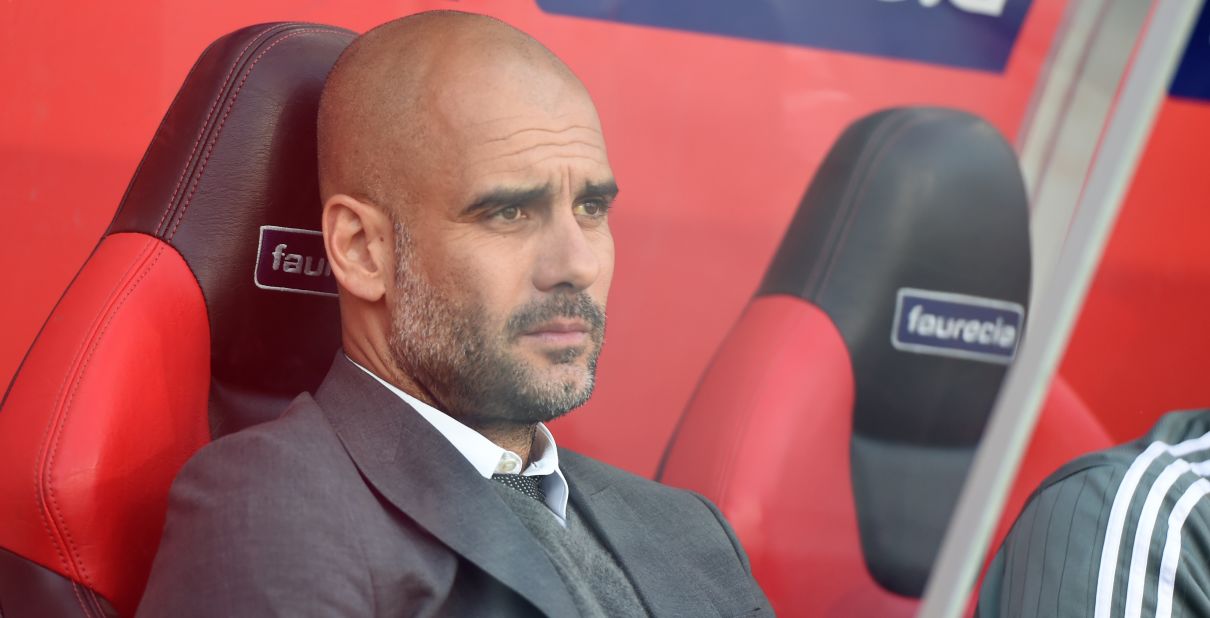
(466, 194)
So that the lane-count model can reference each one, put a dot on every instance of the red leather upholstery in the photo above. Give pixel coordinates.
(768, 441)
(111, 402)
(168, 335)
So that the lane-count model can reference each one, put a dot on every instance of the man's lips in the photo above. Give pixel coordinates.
(559, 332)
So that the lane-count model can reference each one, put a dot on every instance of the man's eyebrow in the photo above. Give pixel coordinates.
(607, 189)
(500, 197)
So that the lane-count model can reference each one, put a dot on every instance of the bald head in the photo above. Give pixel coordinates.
(404, 98)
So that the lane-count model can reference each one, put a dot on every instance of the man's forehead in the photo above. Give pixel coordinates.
(488, 124)
(560, 161)
(486, 111)
(517, 139)
(530, 147)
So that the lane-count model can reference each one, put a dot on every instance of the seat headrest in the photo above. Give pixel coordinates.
(230, 182)
(914, 239)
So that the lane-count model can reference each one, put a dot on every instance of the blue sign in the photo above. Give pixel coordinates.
(973, 34)
(293, 260)
(956, 325)
(1192, 78)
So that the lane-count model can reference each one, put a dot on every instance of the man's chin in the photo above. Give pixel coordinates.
(563, 379)
(561, 388)
(543, 355)
(535, 388)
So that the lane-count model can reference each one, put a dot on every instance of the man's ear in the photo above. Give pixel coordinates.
(358, 237)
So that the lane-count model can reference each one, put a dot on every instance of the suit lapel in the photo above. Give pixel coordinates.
(423, 475)
(657, 578)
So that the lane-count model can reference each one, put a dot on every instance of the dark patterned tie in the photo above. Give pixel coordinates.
(528, 485)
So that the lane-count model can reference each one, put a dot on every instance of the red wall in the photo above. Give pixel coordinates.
(1142, 344)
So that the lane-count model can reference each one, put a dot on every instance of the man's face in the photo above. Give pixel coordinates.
(505, 259)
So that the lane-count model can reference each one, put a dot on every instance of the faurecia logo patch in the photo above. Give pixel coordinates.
(293, 260)
(957, 325)
(972, 34)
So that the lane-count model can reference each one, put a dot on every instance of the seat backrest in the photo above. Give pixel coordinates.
(837, 421)
(205, 308)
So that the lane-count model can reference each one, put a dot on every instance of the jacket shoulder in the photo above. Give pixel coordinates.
(255, 518)
(298, 449)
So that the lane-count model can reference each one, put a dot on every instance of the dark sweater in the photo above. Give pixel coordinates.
(596, 582)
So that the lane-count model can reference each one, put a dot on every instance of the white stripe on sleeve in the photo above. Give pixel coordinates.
(1107, 571)
(1142, 535)
(1172, 545)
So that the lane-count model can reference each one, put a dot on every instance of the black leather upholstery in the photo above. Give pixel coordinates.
(236, 151)
(29, 590)
(918, 198)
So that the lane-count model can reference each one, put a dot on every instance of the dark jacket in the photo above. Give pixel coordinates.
(351, 504)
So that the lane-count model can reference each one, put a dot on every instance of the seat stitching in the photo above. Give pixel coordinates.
(201, 132)
(43, 468)
(94, 343)
(226, 113)
(96, 603)
(75, 588)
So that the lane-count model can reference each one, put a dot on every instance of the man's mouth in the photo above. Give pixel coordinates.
(561, 332)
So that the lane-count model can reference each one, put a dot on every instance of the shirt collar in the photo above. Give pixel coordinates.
(487, 457)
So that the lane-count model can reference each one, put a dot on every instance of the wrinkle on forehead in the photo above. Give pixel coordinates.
(519, 132)
(570, 145)
(529, 165)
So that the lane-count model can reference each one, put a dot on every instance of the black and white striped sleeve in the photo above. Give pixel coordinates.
(1128, 534)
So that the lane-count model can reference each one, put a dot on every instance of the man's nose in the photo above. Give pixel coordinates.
(566, 255)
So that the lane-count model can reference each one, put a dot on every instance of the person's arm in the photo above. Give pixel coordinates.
(1051, 562)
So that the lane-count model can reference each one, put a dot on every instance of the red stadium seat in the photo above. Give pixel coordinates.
(833, 427)
(180, 326)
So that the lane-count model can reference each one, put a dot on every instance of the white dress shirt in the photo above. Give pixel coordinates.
(487, 458)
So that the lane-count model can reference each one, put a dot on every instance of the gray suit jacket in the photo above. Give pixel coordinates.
(351, 504)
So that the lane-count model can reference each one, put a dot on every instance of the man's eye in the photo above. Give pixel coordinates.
(510, 213)
(592, 209)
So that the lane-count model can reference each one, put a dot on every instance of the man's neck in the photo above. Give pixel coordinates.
(374, 359)
(516, 438)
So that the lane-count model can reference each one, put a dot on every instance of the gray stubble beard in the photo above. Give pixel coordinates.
(445, 346)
